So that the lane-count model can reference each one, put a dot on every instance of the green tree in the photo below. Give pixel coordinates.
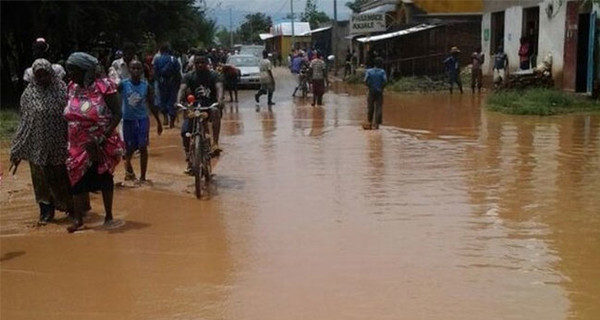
(253, 25)
(356, 4)
(94, 26)
(312, 16)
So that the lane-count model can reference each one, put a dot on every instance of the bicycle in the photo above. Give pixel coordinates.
(303, 86)
(200, 143)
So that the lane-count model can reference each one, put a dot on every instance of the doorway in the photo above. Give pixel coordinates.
(531, 27)
(585, 52)
(497, 36)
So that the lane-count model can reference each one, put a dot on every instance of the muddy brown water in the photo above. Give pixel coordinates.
(447, 212)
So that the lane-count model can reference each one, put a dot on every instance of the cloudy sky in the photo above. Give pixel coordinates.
(276, 9)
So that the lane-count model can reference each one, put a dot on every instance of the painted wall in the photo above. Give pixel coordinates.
(486, 24)
(449, 6)
(552, 39)
(551, 34)
(286, 43)
(501, 5)
(513, 25)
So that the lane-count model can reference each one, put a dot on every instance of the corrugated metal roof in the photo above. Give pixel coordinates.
(285, 28)
(380, 9)
(421, 27)
(265, 36)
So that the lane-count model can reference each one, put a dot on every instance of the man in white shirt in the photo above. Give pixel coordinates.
(267, 82)
(119, 69)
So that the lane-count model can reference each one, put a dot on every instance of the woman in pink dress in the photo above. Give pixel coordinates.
(93, 112)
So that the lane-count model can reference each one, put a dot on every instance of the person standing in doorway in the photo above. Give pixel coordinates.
(453, 69)
(477, 59)
(524, 53)
(267, 82)
(375, 79)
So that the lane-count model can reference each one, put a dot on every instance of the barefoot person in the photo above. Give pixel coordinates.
(137, 96)
(41, 139)
(93, 112)
(376, 80)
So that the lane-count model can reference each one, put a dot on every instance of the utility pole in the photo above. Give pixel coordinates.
(230, 30)
(293, 35)
(334, 36)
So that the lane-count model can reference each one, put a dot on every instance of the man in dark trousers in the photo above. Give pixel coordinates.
(375, 79)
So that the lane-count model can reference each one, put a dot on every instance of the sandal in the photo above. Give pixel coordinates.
(75, 226)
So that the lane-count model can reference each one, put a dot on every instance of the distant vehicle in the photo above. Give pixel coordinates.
(255, 50)
(249, 69)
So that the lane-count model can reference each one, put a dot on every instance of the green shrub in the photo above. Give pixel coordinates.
(9, 121)
(419, 84)
(543, 102)
(357, 78)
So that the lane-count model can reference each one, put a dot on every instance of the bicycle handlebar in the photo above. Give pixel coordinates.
(199, 108)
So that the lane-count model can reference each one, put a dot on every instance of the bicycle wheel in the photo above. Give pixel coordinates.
(197, 165)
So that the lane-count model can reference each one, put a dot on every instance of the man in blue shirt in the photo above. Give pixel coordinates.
(375, 79)
(297, 63)
(453, 69)
(167, 71)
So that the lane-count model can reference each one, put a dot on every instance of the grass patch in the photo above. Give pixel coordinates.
(420, 84)
(9, 121)
(542, 102)
(414, 83)
(357, 78)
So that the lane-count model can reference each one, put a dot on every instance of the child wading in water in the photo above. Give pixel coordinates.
(137, 97)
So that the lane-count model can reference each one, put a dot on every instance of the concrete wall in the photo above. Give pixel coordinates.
(551, 33)
(513, 26)
(552, 39)
(486, 24)
(501, 5)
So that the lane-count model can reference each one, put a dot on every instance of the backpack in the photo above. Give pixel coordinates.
(169, 69)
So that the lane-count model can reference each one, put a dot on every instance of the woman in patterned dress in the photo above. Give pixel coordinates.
(93, 112)
(41, 139)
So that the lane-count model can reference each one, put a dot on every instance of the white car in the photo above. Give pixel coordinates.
(249, 69)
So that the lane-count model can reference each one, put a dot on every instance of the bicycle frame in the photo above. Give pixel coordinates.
(200, 144)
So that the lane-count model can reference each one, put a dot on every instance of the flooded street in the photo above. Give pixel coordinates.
(447, 212)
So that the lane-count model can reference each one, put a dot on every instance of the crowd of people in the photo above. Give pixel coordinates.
(77, 125)
(78, 121)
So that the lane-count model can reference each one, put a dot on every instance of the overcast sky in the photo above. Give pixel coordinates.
(276, 9)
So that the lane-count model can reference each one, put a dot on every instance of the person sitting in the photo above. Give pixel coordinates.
(205, 85)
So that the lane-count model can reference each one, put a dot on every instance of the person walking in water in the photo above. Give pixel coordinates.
(267, 82)
(93, 112)
(477, 59)
(375, 79)
(41, 139)
(318, 71)
(137, 97)
(453, 69)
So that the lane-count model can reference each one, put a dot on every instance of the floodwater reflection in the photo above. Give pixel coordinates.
(447, 212)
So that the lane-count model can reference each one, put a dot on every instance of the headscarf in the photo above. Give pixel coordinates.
(42, 130)
(83, 60)
(87, 63)
(42, 64)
